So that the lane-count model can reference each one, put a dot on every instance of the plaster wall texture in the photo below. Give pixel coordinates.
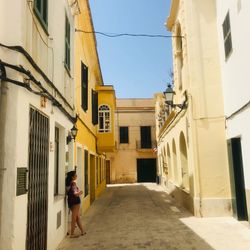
(88, 137)
(18, 28)
(131, 113)
(203, 123)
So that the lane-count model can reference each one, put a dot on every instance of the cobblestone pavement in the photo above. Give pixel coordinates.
(144, 216)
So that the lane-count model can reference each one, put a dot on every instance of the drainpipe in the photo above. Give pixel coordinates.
(3, 105)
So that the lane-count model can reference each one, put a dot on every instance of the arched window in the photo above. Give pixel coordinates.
(104, 118)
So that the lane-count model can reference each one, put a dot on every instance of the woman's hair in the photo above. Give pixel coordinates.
(69, 177)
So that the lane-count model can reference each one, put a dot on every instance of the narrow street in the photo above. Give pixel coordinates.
(144, 216)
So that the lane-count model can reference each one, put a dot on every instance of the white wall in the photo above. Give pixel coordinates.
(235, 74)
(235, 70)
(17, 28)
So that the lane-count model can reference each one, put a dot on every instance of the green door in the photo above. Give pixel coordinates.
(237, 179)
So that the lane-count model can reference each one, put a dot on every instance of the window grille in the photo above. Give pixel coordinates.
(56, 162)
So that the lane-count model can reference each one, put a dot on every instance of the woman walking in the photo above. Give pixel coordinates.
(74, 201)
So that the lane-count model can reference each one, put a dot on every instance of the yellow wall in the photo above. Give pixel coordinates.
(85, 51)
(202, 125)
(106, 141)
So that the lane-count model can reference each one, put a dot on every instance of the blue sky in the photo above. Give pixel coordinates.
(137, 67)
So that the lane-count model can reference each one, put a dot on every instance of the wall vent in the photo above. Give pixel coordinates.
(21, 182)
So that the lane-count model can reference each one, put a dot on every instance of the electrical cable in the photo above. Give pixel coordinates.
(114, 35)
(44, 92)
(37, 68)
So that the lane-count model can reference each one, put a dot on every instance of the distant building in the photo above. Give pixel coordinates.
(234, 38)
(134, 159)
(192, 149)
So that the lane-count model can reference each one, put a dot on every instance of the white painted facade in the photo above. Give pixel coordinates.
(19, 26)
(235, 78)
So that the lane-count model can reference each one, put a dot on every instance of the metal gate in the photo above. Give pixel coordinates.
(36, 238)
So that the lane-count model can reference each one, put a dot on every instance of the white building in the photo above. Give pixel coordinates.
(234, 39)
(36, 114)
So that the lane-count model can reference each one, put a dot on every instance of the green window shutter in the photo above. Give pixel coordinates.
(124, 135)
(84, 83)
(67, 43)
(227, 36)
(94, 107)
(41, 11)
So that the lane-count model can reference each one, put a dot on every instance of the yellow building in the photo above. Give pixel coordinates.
(91, 96)
(192, 148)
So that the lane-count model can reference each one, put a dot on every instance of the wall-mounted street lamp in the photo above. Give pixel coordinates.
(72, 134)
(169, 96)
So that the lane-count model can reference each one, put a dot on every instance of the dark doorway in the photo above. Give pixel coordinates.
(107, 172)
(92, 178)
(146, 170)
(146, 137)
(237, 179)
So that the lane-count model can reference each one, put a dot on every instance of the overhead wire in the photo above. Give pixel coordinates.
(114, 35)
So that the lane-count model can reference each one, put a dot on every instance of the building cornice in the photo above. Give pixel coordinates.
(172, 15)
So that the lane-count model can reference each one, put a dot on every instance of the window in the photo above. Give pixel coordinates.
(84, 80)
(104, 118)
(67, 43)
(56, 162)
(123, 134)
(146, 137)
(227, 36)
(94, 107)
(86, 169)
(41, 11)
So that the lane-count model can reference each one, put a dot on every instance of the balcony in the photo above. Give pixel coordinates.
(145, 145)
